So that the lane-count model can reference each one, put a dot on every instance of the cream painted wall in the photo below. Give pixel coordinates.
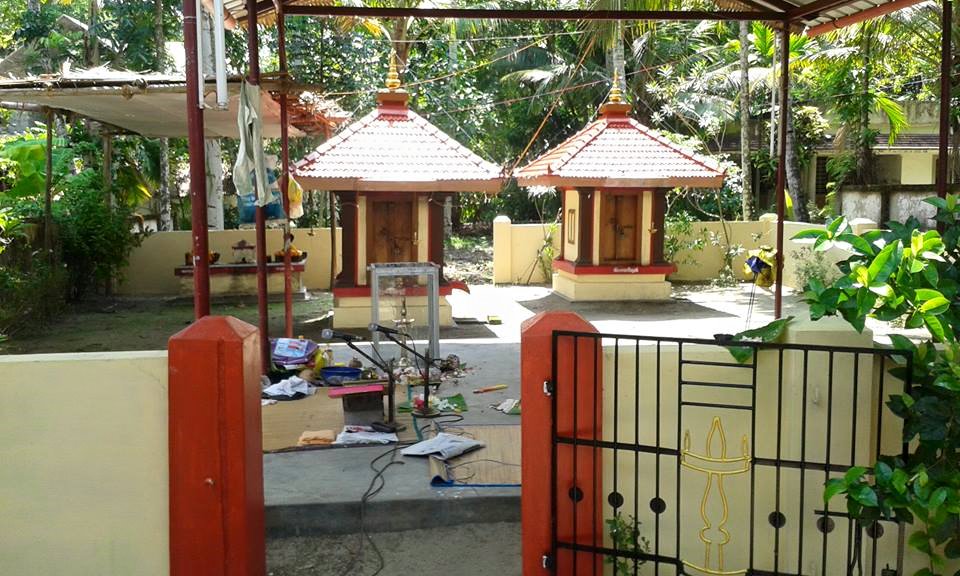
(83, 480)
(571, 249)
(150, 271)
(515, 249)
(645, 225)
(362, 240)
(702, 265)
(917, 167)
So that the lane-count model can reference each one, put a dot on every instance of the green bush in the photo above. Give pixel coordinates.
(96, 239)
(32, 295)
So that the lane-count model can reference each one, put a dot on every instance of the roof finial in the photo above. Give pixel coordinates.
(393, 77)
(616, 95)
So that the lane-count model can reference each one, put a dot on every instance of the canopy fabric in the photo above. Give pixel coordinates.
(617, 151)
(394, 149)
(154, 105)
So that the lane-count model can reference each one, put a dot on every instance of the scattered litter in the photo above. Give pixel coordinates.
(292, 353)
(267, 401)
(509, 406)
(316, 438)
(450, 364)
(443, 446)
(456, 403)
(353, 435)
(292, 388)
(491, 389)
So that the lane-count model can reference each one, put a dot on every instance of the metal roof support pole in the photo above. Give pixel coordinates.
(285, 175)
(198, 176)
(263, 313)
(946, 41)
(782, 161)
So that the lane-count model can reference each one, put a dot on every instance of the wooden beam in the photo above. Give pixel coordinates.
(518, 14)
(867, 14)
(816, 7)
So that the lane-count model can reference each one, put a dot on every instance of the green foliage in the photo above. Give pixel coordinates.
(625, 536)
(768, 333)
(32, 295)
(812, 265)
(96, 238)
(907, 274)
(681, 240)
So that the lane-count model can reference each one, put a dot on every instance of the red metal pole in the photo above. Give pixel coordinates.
(263, 312)
(198, 176)
(285, 175)
(782, 162)
(943, 173)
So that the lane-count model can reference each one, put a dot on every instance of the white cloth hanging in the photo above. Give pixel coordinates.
(250, 170)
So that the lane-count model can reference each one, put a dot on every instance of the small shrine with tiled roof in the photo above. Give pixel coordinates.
(391, 173)
(612, 178)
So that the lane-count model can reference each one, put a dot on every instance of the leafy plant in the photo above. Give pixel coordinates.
(768, 333)
(813, 265)
(905, 273)
(680, 237)
(96, 237)
(625, 535)
(726, 276)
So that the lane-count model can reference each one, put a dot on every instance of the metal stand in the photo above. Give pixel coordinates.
(428, 361)
(390, 424)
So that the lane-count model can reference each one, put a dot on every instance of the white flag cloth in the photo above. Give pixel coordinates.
(250, 170)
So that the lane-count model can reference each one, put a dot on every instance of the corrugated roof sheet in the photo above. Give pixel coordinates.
(393, 148)
(616, 150)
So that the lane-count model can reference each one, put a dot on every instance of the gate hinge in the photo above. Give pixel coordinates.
(547, 562)
(547, 388)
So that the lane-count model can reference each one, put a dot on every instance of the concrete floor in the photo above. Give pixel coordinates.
(466, 550)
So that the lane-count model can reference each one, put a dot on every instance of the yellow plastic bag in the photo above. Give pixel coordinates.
(761, 264)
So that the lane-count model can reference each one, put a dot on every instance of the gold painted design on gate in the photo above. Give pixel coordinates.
(716, 469)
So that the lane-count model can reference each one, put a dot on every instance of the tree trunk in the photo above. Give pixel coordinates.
(794, 185)
(214, 168)
(865, 174)
(159, 39)
(746, 195)
(163, 190)
(93, 41)
(398, 38)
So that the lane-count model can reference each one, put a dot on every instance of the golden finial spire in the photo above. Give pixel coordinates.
(616, 95)
(393, 77)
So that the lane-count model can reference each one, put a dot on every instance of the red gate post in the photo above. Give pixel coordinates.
(536, 357)
(216, 456)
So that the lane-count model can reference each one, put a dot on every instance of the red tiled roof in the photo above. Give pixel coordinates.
(617, 151)
(395, 149)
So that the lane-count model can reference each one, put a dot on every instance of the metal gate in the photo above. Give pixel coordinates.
(671, 457)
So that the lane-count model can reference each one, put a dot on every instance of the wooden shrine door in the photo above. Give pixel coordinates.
(620, 225)
(391, 230)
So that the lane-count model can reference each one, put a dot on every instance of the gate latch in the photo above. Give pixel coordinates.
(547, 388)
(547, 562)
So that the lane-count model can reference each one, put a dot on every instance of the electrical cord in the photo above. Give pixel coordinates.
(377, 484)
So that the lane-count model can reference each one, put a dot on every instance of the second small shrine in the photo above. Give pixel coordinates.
(612, 178)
